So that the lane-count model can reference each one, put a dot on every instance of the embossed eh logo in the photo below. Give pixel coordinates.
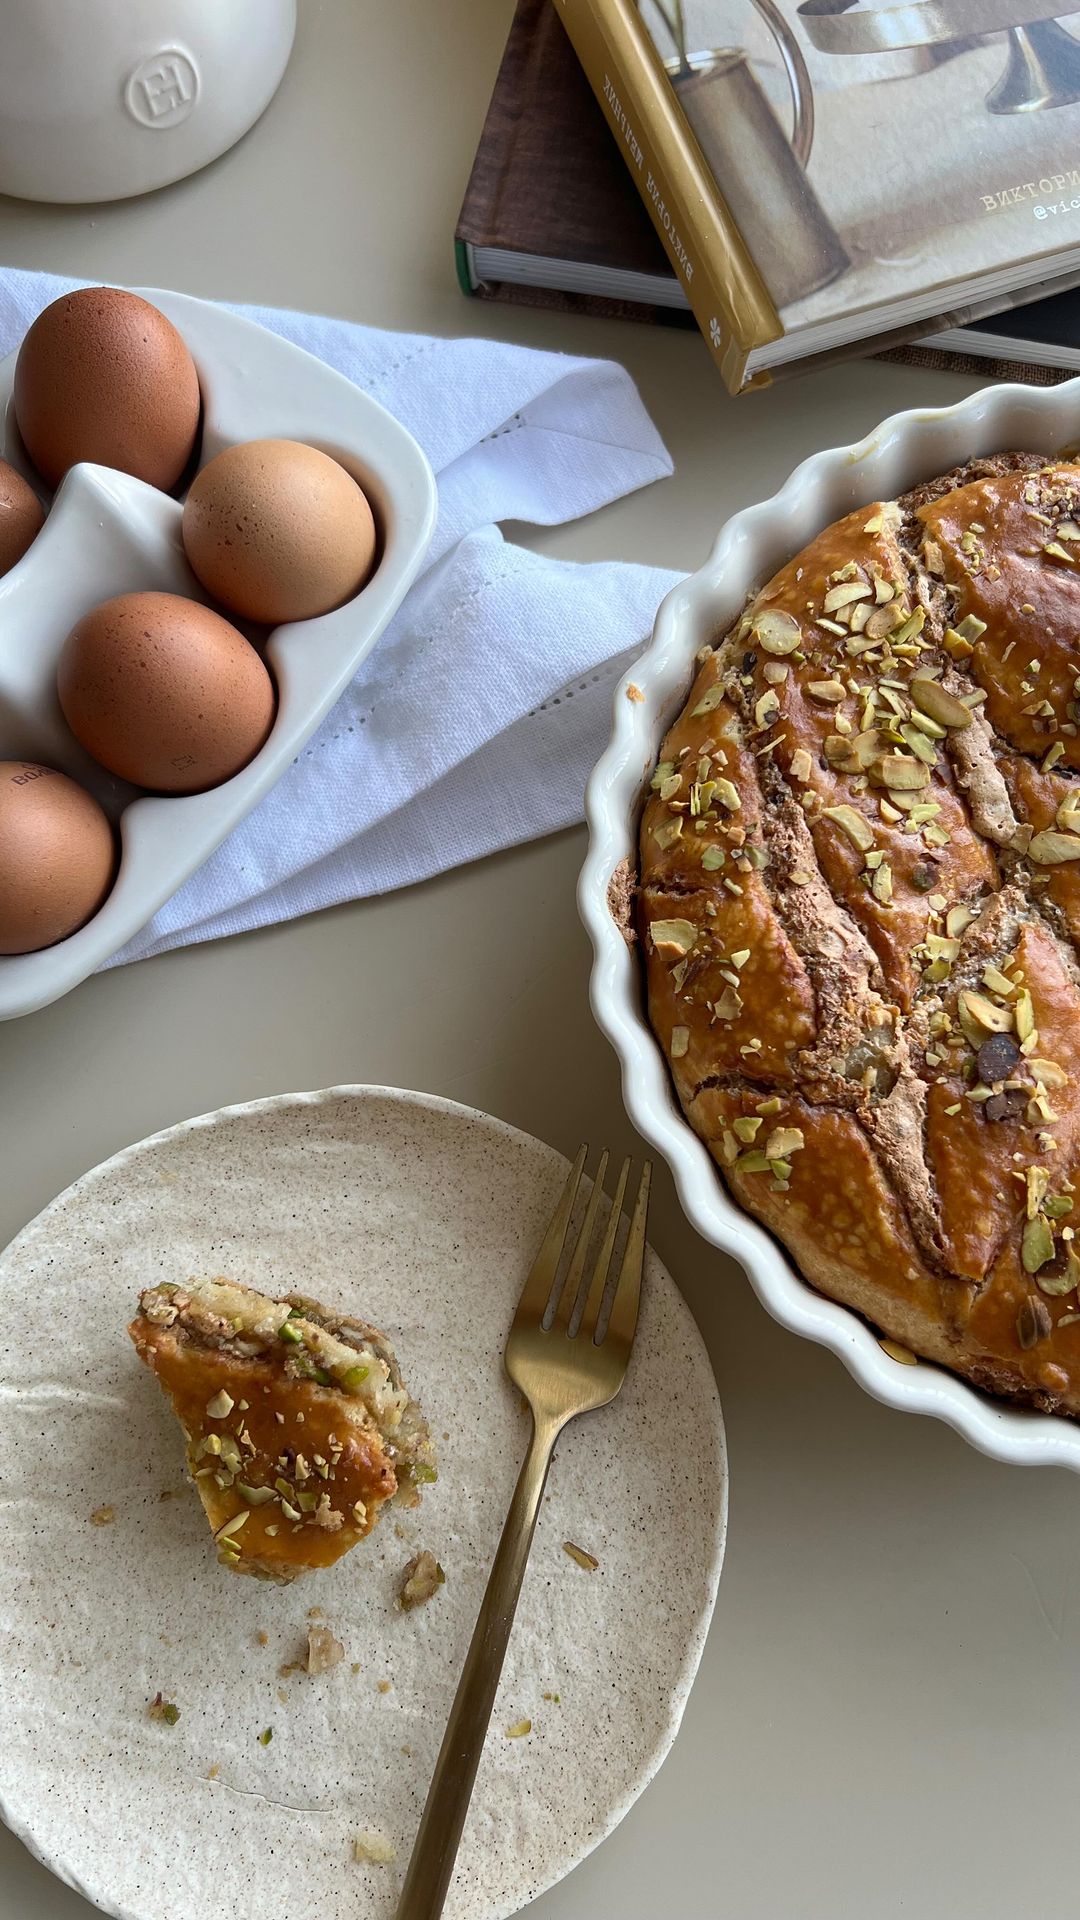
(162, 90)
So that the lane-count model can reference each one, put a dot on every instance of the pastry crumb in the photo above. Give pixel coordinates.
(315, 1613)
(385, 1686)
(103, 1516)
(283, 1696)
(262, 1638)
(213, 1772)
(896, 1352)
(356, 1666)
(324, 1650)
(374, 1849)
(421, 1579)
(634, 693)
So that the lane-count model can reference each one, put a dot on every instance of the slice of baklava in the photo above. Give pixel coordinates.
(299, 1428)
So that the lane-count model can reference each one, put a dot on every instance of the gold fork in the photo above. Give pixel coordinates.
(561, 1374)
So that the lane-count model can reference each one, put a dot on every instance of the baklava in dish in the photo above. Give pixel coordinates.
(859, 906)
(298, 1426)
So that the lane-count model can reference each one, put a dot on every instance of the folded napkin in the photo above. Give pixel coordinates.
(475, 720)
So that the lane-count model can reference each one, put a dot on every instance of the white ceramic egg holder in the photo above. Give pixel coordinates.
(108, 533)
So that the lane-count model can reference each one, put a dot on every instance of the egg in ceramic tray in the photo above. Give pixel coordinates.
(146, 681)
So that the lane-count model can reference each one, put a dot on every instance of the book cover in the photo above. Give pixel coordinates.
(548, 180)
(838, 172)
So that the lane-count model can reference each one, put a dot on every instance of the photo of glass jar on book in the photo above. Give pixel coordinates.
(840, 175)
(744, 144)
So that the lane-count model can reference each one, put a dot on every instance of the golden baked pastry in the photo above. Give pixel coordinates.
(859, 908)
(298, 1426)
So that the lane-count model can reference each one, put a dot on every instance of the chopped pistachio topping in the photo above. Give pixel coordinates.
(729, 1006)
(1047, 1072)
(375, 1849)
(921, 746)
(897, 771)
(255, 1496)
(234, 1525)
(844, 594)
(708, 703)
(853, 823)
(1037, 1246)
(420, 1582)
(1052, 849)
(896, 1352)
(1025, 1015)
(934, 700)
(970, 627)
(882, 884)
(979, 1016)
(784, 1141)
(1037, 1180)
(775, 632)
(673, 936)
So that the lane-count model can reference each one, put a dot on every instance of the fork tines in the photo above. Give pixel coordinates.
(574, 1304)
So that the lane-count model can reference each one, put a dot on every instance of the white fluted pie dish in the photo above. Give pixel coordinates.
(903, 451)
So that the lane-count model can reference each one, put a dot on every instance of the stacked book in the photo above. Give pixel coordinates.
(805, 181)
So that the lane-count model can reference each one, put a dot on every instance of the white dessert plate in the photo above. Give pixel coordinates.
(423, 1216)
(107, 533)
(902, 451)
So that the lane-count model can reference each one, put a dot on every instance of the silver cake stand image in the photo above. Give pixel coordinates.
(1042, 61)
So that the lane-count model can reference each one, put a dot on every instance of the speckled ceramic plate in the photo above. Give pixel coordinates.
(423, 1216)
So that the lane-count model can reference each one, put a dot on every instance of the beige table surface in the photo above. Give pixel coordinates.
(886, 1721)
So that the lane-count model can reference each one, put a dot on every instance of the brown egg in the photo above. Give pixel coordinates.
(278, 531)
(164, 692)
(21, 518)
(102, 375)
(57, 856)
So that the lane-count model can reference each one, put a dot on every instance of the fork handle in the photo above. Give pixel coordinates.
(439, 1836)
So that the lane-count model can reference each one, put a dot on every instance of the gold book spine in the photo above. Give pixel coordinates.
(727, 295)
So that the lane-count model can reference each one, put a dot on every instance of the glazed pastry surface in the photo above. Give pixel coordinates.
(859, 908)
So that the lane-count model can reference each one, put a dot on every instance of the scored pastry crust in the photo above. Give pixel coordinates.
(298, 1426)
(859, 911)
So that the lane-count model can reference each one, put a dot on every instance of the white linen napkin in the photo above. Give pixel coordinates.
(474, 722)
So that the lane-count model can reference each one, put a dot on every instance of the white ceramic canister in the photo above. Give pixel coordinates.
(101, 99)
